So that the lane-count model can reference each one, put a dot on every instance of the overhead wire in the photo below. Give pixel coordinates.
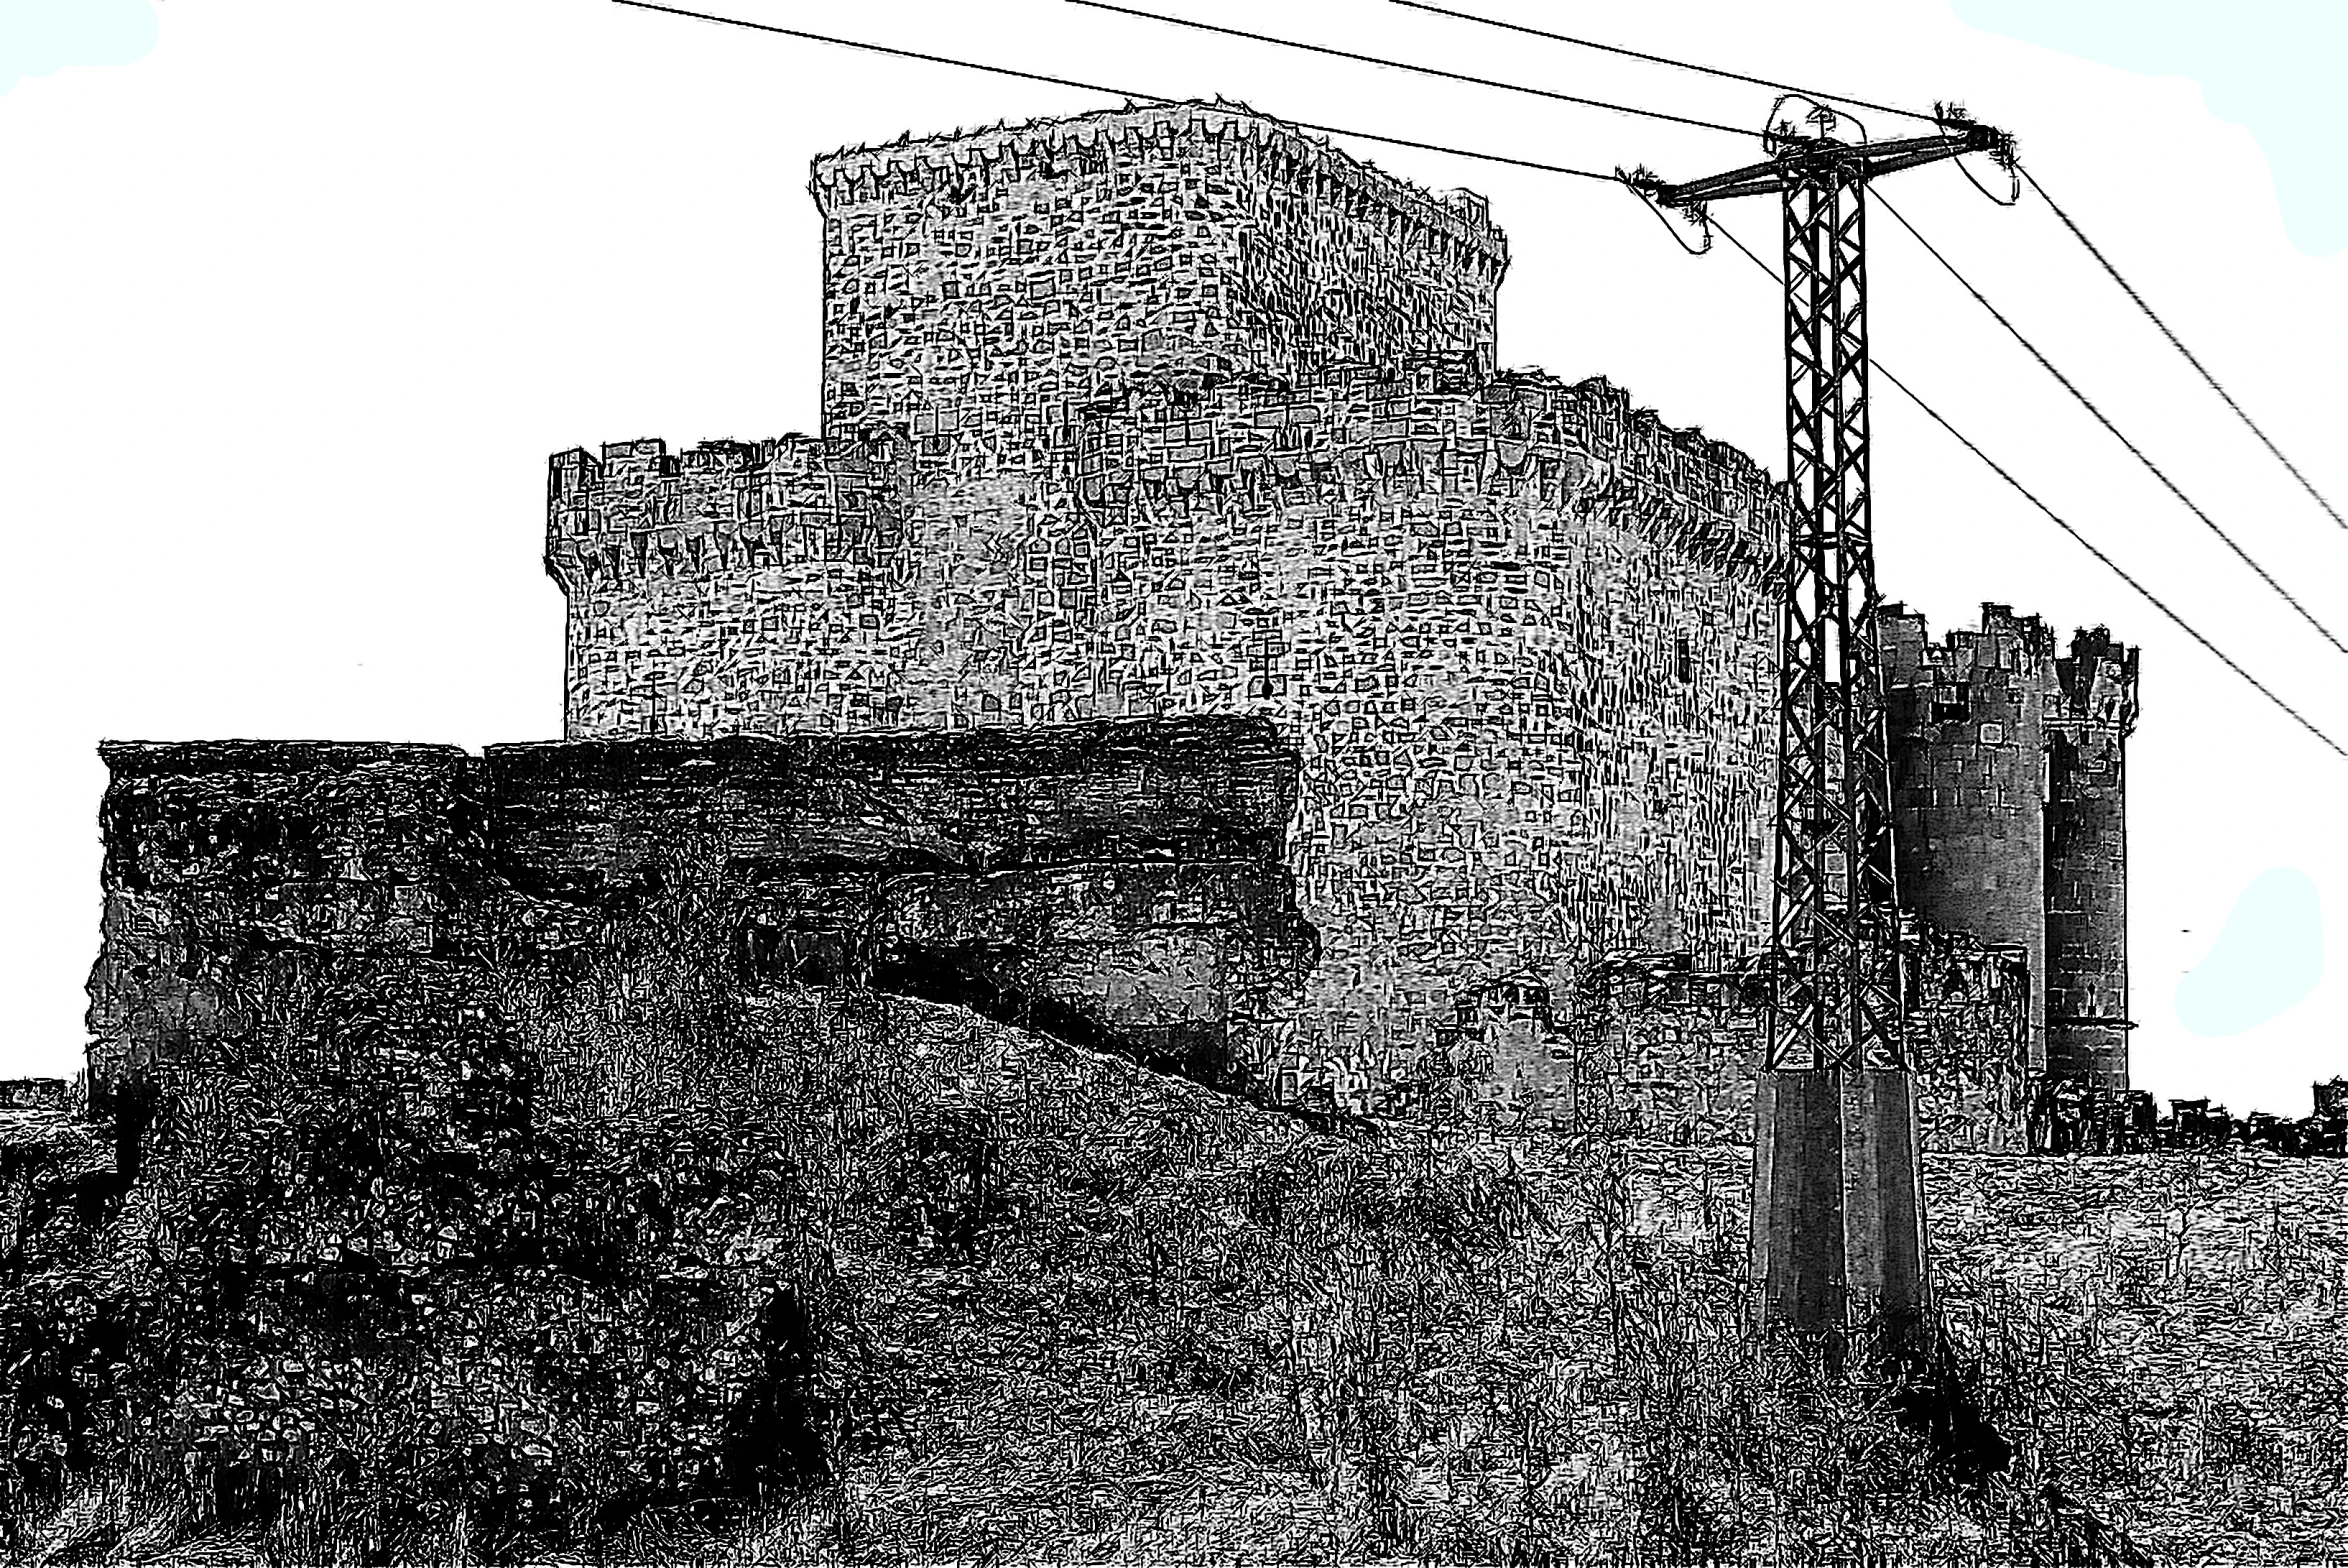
(1615, 178)
(1877, 366)
(1419, 70)
(2025, 174)
(1113, 92)
(2178, 344)
(1660, 59)
(2088, 403)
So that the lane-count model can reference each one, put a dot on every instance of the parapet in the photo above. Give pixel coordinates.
(1441, 421)
(1437, 422)
(2097, 683)
(638, 509)
(956, 164)
(2004, 641)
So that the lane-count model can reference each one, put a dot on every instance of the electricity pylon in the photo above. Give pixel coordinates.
(1838, 1215)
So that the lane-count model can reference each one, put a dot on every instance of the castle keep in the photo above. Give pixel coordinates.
(1172, 410)
(1122, 886)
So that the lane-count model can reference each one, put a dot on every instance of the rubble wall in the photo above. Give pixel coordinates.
(1120, 884)
(1655, 1046)
(225, 859)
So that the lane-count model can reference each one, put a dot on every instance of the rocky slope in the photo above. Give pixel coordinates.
(589, 1265)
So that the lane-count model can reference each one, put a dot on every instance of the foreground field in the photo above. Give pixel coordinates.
(592, 1274)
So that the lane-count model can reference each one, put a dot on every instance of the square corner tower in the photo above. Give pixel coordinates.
(991, 280)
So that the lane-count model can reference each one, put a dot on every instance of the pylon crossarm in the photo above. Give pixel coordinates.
(1801, 157)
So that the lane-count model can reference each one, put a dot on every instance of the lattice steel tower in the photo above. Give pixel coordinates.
(1838, 1215)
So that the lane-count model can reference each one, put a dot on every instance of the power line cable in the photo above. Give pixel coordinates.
(1114, 92)
(2138, 452)
(2178, 344)
(1659, 59)
(2056, 518)
(1422, 70)
(2111, 565)
(1547, 168)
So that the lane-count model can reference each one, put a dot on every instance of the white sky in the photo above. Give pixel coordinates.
(298, 304)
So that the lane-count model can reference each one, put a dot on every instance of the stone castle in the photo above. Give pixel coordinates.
(2009, 797)
(1174, 411)
(1183, 640)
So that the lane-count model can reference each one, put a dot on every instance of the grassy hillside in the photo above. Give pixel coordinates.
(599, 1261)
(2174, 1326)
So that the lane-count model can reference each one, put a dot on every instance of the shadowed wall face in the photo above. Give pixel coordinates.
(2087, 861)
(1967, 718)
(1121, 885)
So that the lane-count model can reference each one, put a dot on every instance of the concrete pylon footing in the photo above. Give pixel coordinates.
(1838, 1211)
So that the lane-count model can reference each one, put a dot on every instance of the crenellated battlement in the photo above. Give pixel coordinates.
(958, 167)
(2097, 684)
(1435, 425)
(993, 280)
(1172, 409)
(638, 509)
(2019, 645)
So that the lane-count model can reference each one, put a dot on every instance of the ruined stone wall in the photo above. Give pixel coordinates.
(2087, 861)
(224, 856)
(1657, 1046)
(1968, 733)
(1122, 885)
(979, 287)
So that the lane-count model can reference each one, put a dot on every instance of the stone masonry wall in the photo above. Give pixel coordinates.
(1967, 720)
(1522, 634)
(1122, 885)
(2087, 861)
(681, 571)
(978, 287)
(1173, 411)
(1655, 1046)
